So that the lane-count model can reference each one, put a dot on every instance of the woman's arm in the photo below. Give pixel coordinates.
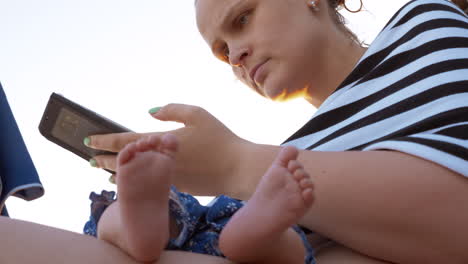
(206, 156)
(386, 204)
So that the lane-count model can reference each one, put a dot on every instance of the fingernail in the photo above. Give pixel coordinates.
(112, 179)
(154, 110)
(93, 163)
(86, 141)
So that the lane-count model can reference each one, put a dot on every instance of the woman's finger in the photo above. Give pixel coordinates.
(111, 142)
(181, 113)
(105, 162)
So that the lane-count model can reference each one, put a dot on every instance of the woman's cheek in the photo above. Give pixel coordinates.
(240, 74)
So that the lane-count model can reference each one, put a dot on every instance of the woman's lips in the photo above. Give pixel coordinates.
(256, 72)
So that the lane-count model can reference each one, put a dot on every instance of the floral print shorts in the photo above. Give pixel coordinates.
(199, 225)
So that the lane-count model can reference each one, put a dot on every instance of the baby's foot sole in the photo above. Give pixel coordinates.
(143, 181)
(282, 197)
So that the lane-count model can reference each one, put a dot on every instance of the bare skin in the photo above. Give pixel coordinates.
(361, 211)
(343, 210)
(19, 236)
(144, 173)
(48, 245)
(362, 195)
(260, 231)
(140, 221)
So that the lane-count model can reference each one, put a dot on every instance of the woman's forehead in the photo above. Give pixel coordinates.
(210, 14)
(209, 10)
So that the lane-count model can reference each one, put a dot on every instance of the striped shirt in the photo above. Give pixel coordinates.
(408, 93)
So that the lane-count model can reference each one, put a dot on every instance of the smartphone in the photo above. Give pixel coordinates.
(67, 123)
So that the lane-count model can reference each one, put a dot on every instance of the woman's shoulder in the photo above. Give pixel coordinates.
(418, 17)
(424, 10)
(419, 28)
(418, 24)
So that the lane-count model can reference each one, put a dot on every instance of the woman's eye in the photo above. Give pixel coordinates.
(244, 19)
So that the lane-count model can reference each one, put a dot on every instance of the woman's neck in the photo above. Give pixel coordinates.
(344, 56)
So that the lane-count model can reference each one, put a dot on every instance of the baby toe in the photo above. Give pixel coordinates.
(306, 183)
(154, 141)
(148, 143)
(285, 155)
(299, 174)
(308, 196)
(294, 165)
(169, 144)
(127, 153)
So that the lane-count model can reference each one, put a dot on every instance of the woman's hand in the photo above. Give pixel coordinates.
(208, 155)
(113, 143)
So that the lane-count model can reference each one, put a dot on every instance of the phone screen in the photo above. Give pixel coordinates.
(67, 124)
(71, 128)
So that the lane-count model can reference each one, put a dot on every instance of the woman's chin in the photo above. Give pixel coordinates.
(270, 91)
(275, 93)
(275, 90)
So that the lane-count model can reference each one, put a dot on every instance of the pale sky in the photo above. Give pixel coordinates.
(121, 58)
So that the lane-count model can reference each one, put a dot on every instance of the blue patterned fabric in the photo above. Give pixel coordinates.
(199, 225)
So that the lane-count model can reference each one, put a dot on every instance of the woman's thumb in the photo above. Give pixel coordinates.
(181, 113)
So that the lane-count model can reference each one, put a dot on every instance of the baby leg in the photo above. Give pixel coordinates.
(138, 222)
(260, 231)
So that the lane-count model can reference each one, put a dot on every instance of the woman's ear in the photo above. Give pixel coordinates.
(313, 4)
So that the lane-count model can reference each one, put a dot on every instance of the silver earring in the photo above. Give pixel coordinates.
(314, 5)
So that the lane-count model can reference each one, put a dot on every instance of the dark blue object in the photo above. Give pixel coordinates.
(18, 176)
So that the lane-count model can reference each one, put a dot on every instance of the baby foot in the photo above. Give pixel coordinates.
(282, 197)
(144, 171)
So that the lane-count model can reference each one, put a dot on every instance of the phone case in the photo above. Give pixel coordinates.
(76, 123)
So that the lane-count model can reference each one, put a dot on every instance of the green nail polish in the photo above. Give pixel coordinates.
(112, 179)
(154, 110)
(93, 163)
(86, 141)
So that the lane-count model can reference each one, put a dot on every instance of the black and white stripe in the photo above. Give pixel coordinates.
(409, 92)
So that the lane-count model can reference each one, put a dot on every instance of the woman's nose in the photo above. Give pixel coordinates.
(238, 56)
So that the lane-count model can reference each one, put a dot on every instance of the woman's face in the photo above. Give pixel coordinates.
(274, 46)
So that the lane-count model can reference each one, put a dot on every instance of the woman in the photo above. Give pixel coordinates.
(391, 120)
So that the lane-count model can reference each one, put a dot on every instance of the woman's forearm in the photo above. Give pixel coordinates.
(381, 203)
